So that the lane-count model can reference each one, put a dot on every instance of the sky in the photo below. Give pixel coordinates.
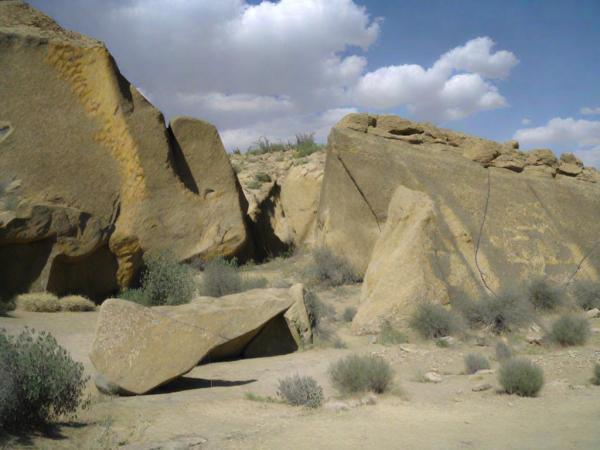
(509, 69)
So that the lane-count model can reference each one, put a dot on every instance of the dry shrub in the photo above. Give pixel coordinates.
(521, 376)
(475, 362)
(433, 321)
(570, 329)
(75, 303)
(361, 373)
(300, 391)
(38, 302)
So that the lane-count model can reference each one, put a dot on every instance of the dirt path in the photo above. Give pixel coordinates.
(208, 405)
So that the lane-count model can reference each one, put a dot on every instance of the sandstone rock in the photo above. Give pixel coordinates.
(541, 157)
(569, 169)
(408, 239)
(525, 214)
(540, 171)
(570, 158)
(137, 348)
(482, 153)
(481, 387)
(114, 182)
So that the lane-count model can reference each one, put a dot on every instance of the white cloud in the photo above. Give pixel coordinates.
(587, 111)
(444, 91)
(525, 121)
(277, 68)
(566, 134)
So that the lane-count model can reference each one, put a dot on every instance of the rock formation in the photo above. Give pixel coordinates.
(90, 178)
(137, 348)
(405, 201)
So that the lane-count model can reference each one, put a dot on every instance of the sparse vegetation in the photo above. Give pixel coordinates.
(6, 305)
(503, 351)
(305, 145)
(330, 269)
(300, 391)
(507, 311)
(262, 177)
(433, 321)
(349, 314)
(389, 335)
(586, 294)
(544, 294)
(38, 302)
(165, 281)
(475, 362)
(317, 310)
(254, 184)
(570, 329)
(40, 381)
(596, 376)
(361, 373)
(223, 277)
(253, 397)
(264, 145)
(521, 377)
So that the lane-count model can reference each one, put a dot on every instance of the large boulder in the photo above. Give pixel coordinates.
(137, 348)
(109, 180)
(533, 224)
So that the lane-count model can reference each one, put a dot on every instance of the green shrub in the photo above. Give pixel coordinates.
(475, 362)
(521, 376)
(507, 311)
(331, 269)
(134, 295)
(305, 145)
(6, 305)
(586, 294)
(254, 184)
(389, 335)
(349, 314)
(432, 321)
(361, 373)
(165, 281)
(46, 383)
(596, 377)
(300, 391)
(503, 351)
(254, 283)
(38, 302)
(544, 294)
(262, 177)
(570, 329)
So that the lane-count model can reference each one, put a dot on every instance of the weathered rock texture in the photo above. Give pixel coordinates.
(95, 177)
(137, 348)
(282, 210)
(404, 202)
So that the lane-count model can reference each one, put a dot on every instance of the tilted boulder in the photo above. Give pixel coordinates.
(532, 225)
(100, 179)
(137, 348)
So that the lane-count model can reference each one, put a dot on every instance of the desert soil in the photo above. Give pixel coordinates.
(208, 407)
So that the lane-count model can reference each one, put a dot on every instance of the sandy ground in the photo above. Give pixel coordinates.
(208, 409)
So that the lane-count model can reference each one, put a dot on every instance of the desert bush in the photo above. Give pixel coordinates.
(300, 391)
(254, 184)
(264, 145)
(165, 281)
(133, 295)
(475, 362)
(596, 376)
(521, 376)
(586, 294)
(503, 351)
(570, 329)
(389, 335)
(38, 302)
(432, 321)
(331, 269)
(544, 294)
(6, 305)
(507, 311)
(76, 303)
(361, 373)
(221, 277)
(349, 314)
(306, 145)
(46, 383)
(262, 177)
(254, 283)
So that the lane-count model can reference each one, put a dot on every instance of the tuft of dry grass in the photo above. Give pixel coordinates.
(76, 303)
(38, 302)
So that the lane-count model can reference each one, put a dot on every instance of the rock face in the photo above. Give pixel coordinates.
(404, 202)
(283, 194)
(137, 348)
(91, 178)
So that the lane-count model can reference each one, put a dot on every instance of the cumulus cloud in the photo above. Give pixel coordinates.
(566, 134)
(587, 111)
(456, 86)
(277, 68)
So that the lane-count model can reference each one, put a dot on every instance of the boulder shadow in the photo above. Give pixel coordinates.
(188, 383)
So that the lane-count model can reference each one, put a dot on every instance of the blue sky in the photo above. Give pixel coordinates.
(498, 69)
